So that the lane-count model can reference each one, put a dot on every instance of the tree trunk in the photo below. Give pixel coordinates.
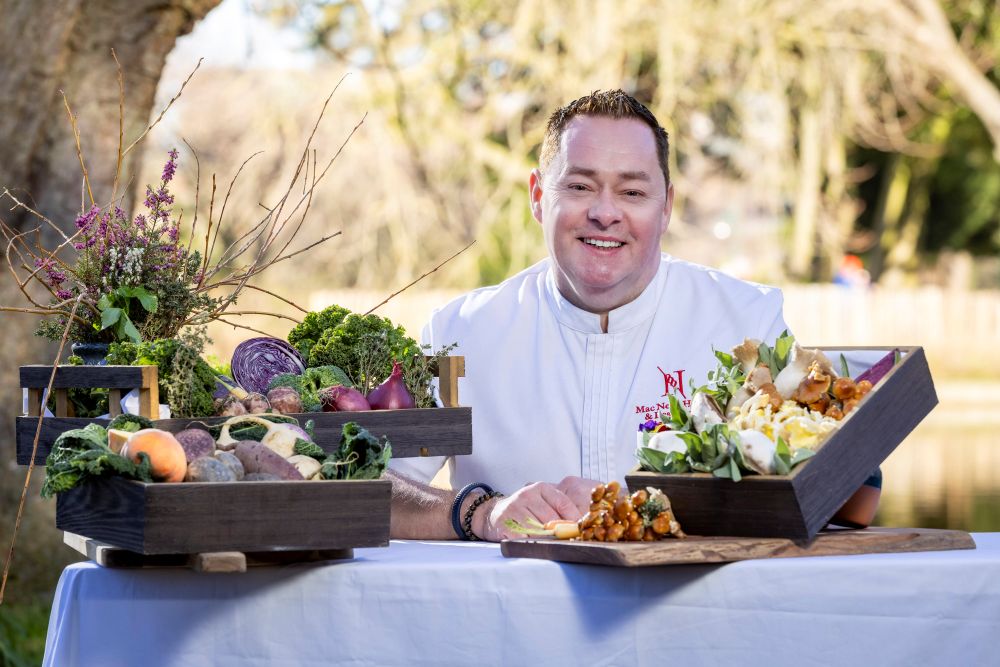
(52, 46)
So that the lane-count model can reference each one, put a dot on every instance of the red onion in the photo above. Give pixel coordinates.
(339, 398)
(257, 360)
(392, 394)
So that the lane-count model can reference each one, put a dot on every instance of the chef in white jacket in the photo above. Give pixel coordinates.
(565, 359)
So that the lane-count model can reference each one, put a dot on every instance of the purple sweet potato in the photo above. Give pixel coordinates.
(196, 443)
(259, 458)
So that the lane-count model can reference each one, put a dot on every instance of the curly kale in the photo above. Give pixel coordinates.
(364, 346)
(306, 334)
(83, 453)
(308, 384)
(185, 380)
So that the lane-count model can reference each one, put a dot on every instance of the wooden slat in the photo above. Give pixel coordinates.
(218, 562)
(121, 377)
(228, 516)
(449, 370)
(34, 402)
(115, 402)
(62, 403)
(700, 550)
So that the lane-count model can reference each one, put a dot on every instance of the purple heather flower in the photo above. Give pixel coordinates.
(64, 294)
(170, 167)
(140, 221)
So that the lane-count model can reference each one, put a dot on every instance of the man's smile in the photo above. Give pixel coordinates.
(602, 243)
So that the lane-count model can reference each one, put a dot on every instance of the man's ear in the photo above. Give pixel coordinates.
(668, 207)
(535, 193)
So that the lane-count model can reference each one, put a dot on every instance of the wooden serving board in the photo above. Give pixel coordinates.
(700, 550)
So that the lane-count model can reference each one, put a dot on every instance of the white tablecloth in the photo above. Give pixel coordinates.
(464, 604)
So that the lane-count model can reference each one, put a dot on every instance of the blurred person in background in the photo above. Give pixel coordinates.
(565, 359)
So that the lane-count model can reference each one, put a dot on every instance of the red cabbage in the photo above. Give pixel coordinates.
(257, 360)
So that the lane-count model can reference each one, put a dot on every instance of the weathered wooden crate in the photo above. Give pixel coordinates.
(188, 518)
(209, 524)
(445, 431)
(798, 505)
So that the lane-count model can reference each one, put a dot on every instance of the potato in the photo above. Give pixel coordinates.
(229, 459)
(207, 469)
(258, 458)
(196, 443)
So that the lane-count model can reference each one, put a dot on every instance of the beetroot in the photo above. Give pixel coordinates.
(339, 398)
(392, 394)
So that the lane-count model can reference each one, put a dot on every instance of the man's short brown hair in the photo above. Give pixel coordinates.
(610, 104)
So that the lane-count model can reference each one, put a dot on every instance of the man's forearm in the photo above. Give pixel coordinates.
(419, 511)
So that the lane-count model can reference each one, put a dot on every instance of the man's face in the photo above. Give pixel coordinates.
(603, 204)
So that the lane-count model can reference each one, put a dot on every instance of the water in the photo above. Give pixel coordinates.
(946, 474)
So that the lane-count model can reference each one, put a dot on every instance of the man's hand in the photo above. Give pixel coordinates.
(540, 501)
(578, 489)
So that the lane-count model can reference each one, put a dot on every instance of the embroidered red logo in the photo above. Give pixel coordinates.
(673, 381)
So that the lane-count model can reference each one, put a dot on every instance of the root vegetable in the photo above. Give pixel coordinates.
(261, 477)
(256, 457)
(230, 461)
(207, 469)
(232, 407)
(166, 455)
(339, 398)
(256, 404)
(196, 443)
(392, 394)
(306, 465)
(285, 400)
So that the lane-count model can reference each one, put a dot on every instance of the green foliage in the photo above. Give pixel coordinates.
(185, 380)
(306, 448)
(309, 384)
(22, 632)
(116, 305)
(132, 423)
(364, 346)
(83, 453)
(303, 336)
(251, 431)
(360, 455)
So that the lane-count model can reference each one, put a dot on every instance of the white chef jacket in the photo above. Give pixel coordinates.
(552, 395)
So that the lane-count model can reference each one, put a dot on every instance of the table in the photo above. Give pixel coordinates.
(439, 603)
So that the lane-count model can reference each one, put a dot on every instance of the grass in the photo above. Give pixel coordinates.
(22, 631)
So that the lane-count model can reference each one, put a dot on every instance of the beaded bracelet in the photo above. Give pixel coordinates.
(467, 522)
(456, 506)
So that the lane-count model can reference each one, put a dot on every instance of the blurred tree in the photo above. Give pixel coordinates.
(54, 47)
(774, 92)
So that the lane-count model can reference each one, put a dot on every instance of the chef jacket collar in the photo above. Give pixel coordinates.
(632, 314)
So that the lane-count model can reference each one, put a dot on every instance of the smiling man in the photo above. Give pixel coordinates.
(565, 359)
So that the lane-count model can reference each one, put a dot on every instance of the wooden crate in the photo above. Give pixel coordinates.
(191, 518)
(445, 431)
(798, 505)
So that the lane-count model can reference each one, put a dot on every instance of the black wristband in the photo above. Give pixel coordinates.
(456, 506)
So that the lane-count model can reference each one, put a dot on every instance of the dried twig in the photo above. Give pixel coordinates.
(397, 293)
(79, 149)
(121, 125)
(160, 117)
(34, 453)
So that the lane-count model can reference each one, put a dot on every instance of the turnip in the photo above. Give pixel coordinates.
(279, 437)
(285, 400)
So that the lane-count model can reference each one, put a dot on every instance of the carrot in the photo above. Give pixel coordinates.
(555, 522)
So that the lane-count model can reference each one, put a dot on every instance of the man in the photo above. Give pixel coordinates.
(567, 358)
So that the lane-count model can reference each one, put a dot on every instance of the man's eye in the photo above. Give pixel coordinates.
(580, 187)
(633, 193)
